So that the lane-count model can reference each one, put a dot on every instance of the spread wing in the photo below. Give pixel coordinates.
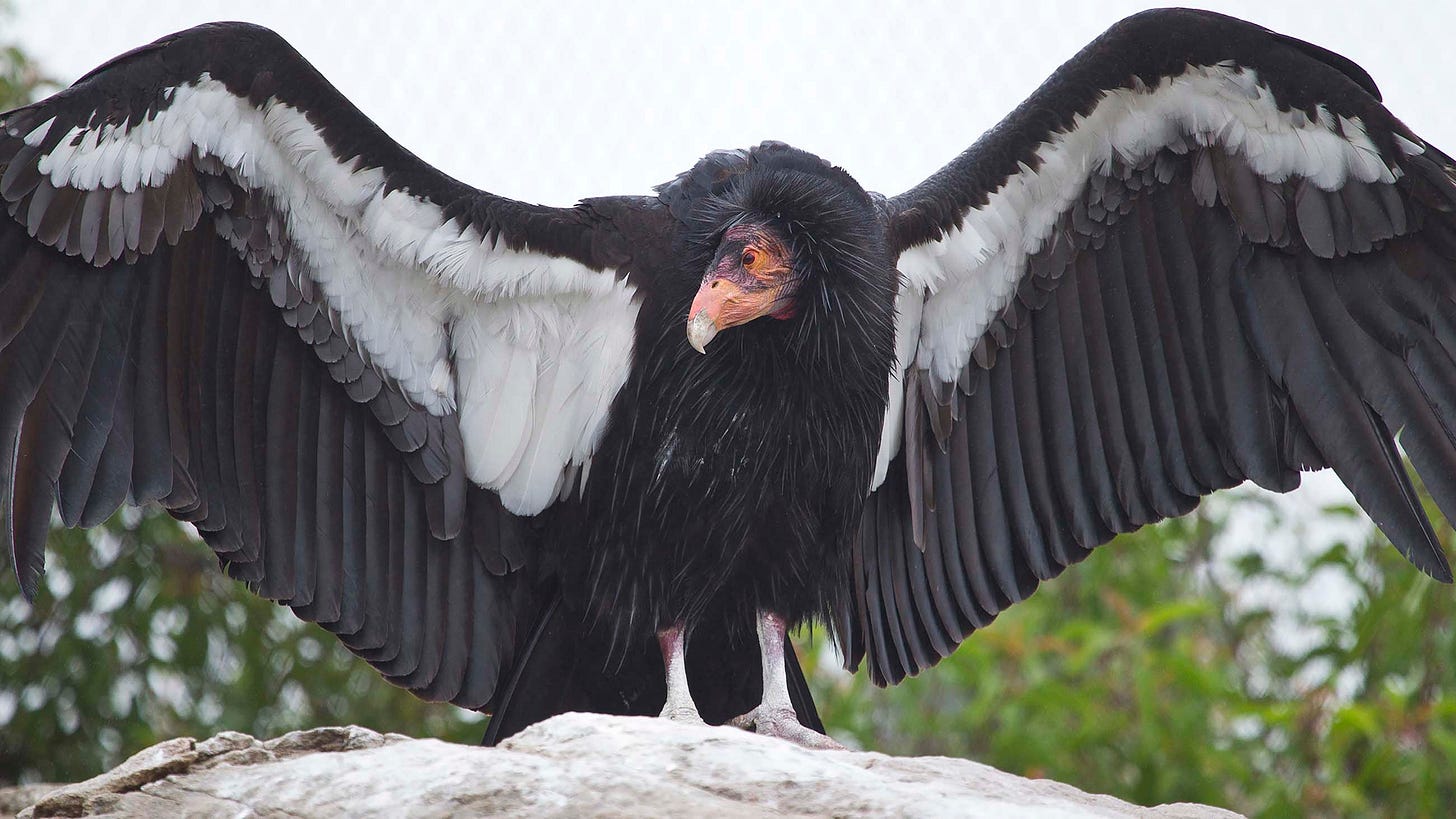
(224, 290)
(1200, 253)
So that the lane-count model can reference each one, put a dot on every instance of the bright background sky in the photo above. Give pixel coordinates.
(553, 102)
(557, 101)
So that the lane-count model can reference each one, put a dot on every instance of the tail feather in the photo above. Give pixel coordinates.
(561, 666)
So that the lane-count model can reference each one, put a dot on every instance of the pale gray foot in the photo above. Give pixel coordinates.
(688, 715)
(784, 724)
(775, 716)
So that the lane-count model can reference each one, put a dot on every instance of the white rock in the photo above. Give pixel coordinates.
(573, 765)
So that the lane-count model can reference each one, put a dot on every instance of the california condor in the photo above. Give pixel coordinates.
(519, 458)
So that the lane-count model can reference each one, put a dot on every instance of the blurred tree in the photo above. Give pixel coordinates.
(1159, 674)
(136, 636)
(20, 80)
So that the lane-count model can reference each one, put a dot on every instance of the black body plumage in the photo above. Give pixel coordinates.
(734, 479)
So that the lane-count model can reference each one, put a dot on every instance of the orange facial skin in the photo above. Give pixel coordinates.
(753, 277)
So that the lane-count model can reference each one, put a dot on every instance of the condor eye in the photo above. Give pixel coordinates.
(749, 257)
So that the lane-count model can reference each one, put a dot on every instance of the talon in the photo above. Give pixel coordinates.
(744, 721)
(784, 724)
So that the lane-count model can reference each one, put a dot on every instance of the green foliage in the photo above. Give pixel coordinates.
(1153, 671)
(20, 80)
(1158, 673)
(136, 636)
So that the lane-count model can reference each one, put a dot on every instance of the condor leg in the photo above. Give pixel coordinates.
(775, 715)
(679, 706)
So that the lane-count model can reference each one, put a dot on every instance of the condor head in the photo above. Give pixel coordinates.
(753, 274)
(793, 247)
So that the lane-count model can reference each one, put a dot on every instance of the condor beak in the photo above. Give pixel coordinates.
(719, 304)
(722, 303)
(701, 331)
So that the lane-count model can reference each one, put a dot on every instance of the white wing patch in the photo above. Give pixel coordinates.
(537, 376)
(908, 303)
(971, 273)
(540, 344)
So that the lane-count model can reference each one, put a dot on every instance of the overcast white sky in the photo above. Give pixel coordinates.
(555, 102)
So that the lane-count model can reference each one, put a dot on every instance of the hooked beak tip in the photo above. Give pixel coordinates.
(701, 330)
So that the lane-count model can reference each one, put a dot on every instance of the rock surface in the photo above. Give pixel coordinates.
(573, 765)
